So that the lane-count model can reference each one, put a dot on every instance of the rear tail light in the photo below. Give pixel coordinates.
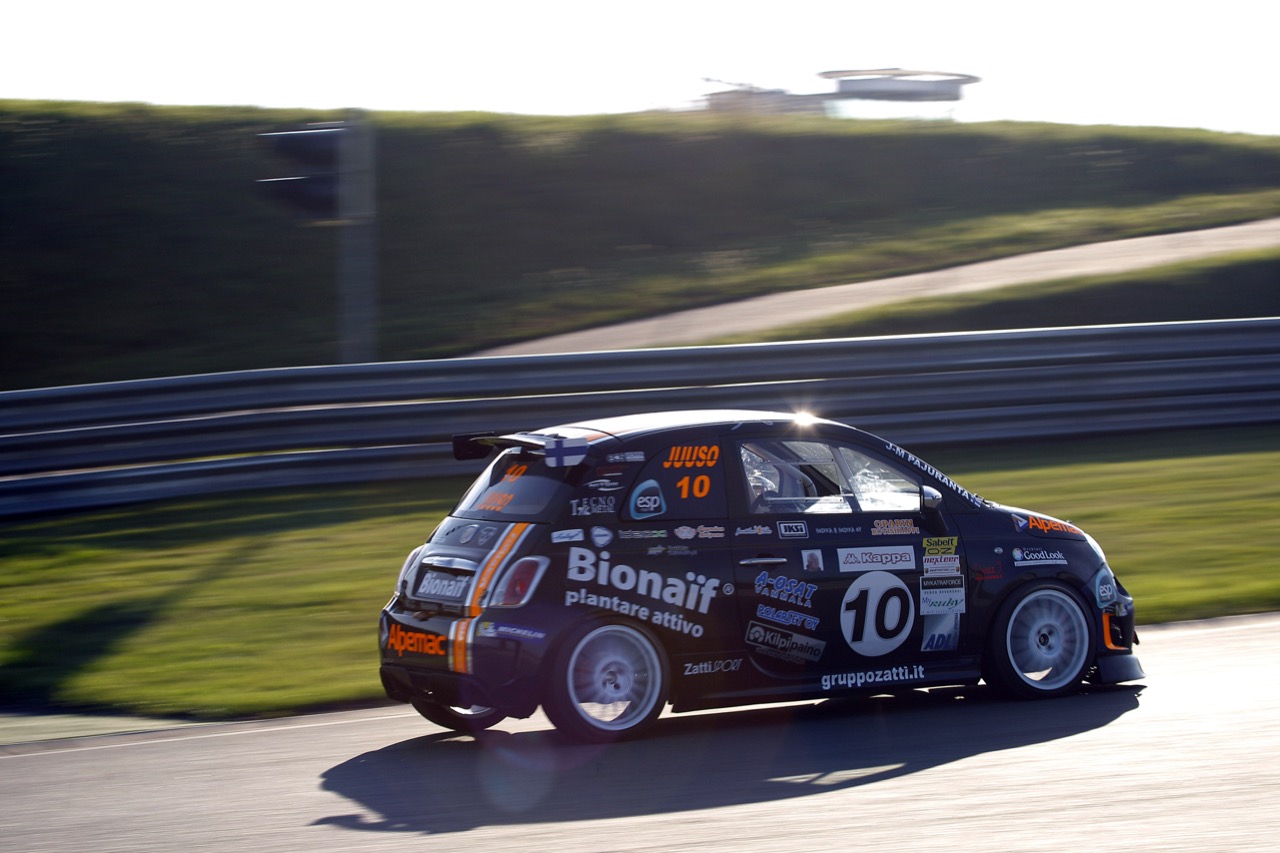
(518, 582)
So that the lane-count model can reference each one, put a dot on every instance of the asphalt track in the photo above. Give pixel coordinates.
(1185, 760)
(783, 309)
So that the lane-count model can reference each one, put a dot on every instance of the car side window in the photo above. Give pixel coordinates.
(818, 477)
(877, 486)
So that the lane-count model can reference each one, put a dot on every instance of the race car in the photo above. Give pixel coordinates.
(605, 569)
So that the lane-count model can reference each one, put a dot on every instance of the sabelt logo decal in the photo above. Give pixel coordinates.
(414, 642)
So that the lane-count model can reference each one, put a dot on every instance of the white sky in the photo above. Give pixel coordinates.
(1132, 62)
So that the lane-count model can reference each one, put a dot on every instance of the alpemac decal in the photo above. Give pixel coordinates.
(1042, 526)
(401, 641)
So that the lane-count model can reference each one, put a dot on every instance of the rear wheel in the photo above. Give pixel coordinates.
(607, 682)
(1041, 643)
(476, 718)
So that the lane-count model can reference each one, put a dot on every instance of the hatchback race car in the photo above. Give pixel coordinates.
(704, 559)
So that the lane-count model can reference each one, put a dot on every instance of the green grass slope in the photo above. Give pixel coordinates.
(137, 244)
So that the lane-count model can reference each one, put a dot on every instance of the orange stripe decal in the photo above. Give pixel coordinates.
(460, 647)
(497, 559)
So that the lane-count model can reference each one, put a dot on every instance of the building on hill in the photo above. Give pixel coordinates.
(891, 85)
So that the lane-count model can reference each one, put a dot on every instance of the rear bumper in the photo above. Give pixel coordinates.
(448, 661)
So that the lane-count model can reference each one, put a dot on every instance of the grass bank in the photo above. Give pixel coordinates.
(144, 247)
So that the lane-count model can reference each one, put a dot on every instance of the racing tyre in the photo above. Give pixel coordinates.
(608, 682)
(1041, 643)
(477, 718)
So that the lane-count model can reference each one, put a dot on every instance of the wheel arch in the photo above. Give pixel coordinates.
(999, 611)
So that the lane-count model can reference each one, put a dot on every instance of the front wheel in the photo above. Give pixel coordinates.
(476, 718)
(1041, 644)
(607, 682)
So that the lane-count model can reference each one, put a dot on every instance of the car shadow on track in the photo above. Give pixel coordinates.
(452, 783)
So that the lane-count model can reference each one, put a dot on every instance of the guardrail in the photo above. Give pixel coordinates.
(86, 446)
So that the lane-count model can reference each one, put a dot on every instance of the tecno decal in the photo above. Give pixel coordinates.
(415, 642)
(885, 557)
(598, 505)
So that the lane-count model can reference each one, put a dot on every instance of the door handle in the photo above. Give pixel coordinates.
(762, 561)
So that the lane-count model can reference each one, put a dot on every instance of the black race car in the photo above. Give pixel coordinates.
(706, 559)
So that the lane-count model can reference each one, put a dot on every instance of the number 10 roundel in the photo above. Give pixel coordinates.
(877, 613)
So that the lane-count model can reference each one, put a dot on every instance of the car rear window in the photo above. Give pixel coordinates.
(517, 486)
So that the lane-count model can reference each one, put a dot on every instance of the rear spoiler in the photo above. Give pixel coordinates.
(559, 451)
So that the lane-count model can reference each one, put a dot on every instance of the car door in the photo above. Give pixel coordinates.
(840, 569)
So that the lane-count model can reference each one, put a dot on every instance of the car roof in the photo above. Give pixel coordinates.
(626, 427)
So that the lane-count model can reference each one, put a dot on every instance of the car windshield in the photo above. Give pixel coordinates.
(821, 477)
(517, 486)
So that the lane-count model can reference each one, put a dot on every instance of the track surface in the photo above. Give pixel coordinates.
(782, 309)
(1187, 762)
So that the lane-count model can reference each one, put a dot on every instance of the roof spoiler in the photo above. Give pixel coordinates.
(468, 445)
(559, 452)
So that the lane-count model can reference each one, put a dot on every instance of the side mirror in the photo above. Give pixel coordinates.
(930, 498)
